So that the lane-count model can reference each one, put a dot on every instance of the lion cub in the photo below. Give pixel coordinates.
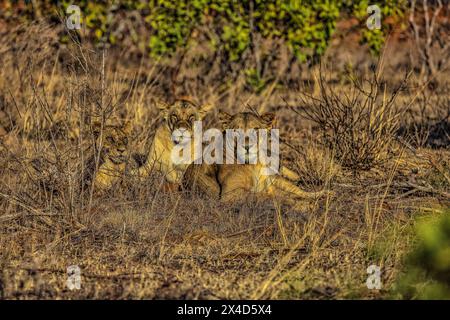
(105, 164)
(180, 116)
(111, 152)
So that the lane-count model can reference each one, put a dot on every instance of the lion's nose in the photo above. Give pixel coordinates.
(121, 150)
(180, 135)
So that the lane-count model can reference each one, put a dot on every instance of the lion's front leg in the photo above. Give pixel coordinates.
(203, 178)
(283, 187)
(235, 184)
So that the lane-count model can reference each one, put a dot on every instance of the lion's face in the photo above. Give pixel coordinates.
(181, 115)
(241, 124)
(247, 120)
(114, 142)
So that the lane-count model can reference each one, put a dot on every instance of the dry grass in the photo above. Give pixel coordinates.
(137, 241)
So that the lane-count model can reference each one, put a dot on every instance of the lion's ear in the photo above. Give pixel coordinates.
(224, 119)
(269, 118)
(161, 106)
(204, 109)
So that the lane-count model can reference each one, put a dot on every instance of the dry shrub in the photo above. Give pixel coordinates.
(427, 122)
(359, 124)
(316, 165)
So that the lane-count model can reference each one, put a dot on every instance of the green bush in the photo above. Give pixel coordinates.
(427, 273)
(393, 9)
(306, 26)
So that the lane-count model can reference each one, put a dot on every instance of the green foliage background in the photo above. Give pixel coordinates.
(306, 26)
(427, 274)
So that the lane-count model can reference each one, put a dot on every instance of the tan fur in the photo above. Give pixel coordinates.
(202, 178)
(180, 114)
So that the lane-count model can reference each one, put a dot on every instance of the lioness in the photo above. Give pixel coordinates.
(235, 181)
(179, 116)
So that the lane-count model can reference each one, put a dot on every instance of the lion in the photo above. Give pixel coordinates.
(105, 164)
(231, 182)
(178, 117)
(107, 161)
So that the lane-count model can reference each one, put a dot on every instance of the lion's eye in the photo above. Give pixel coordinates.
(110, 139)
(192, 118)
(125, 141)
(173, 118)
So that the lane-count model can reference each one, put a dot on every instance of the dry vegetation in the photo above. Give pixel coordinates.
(381, 146)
